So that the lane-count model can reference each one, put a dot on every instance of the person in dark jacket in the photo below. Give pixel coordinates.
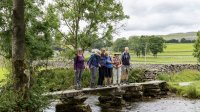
(78, 68)
(102, 68)
(94, 63)
(125, 65)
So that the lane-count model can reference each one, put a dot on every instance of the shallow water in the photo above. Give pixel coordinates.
(172, 104)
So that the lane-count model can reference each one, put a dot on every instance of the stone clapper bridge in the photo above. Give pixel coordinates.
(114, 96)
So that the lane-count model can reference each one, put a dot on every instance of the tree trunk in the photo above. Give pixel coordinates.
(21, 80)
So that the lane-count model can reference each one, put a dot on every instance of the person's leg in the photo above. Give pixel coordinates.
(76, 79)
(80, 78)
(100, 75)
(114, 76)
(123, 74)
(93, 76)
(103, 75)
(119, 72)
(127, 74)
(110, 75)
(106, 76)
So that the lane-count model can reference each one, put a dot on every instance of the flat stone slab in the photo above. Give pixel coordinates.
(74, 92)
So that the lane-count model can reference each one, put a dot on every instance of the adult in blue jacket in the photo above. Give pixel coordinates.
(94, 63)
(109, 68)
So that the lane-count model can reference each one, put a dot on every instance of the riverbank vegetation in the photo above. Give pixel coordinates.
(185, 83)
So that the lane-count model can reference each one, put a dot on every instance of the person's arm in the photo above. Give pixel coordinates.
(129, 58)
(120, 63)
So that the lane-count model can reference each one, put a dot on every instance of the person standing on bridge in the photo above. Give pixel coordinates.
(125, 65)
(116, 69)
(109, 68)
(94, 63)
(102, 68)
(78, 68)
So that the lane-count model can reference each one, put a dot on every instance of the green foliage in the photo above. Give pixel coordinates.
(156, 45)
(197, 47)
(61, 79)
(136, 75)
(39, 30)
(12, 100)
(102, 43)
(174, 80)
(144, 44)
(192, 92)
(135, 45)
(99, 18)
(120, 44)
(184, 76)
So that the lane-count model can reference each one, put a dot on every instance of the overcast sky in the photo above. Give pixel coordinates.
(148, 17)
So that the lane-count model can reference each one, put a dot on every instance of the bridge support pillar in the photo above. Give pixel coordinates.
(73, 104)
(112, 98)
(155, 89)
(133, 93)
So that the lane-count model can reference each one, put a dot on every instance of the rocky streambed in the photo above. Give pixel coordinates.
(169, 104)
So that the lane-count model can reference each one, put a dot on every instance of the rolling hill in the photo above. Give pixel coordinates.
(187, 35)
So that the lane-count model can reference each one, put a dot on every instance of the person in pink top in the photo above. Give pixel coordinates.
(117, 64)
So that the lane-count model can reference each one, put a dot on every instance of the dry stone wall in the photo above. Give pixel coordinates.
(152, 70)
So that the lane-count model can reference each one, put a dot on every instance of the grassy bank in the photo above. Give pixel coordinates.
(185, 83)
(174, 53)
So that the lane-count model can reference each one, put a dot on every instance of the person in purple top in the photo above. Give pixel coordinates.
(78, 68)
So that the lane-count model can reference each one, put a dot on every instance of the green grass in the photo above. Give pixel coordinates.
(191, 91)
(2, 72)
(179, 47)
(173, 54)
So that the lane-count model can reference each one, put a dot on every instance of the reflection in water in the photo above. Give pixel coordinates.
(157, 105)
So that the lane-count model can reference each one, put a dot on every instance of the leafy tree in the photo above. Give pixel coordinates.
(144, 45)
(102, 44)
(183, 40)
(135, 45)
(197, 47)
(40, 28)
(120, 44)
(156, 45)
(87, 21)
(172, 41)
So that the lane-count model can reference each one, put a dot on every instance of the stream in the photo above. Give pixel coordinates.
(170, 104)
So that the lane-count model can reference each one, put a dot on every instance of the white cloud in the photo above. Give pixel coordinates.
(161, 16)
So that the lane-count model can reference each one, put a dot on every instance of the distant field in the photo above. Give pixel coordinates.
(173, 54)
(179, 47)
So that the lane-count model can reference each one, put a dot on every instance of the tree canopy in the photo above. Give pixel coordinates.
(84, 22)
(39, 30)
(197, 47)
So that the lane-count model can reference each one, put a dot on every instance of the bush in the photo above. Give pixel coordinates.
(137, 75)
(12, 101)
(62, 79)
